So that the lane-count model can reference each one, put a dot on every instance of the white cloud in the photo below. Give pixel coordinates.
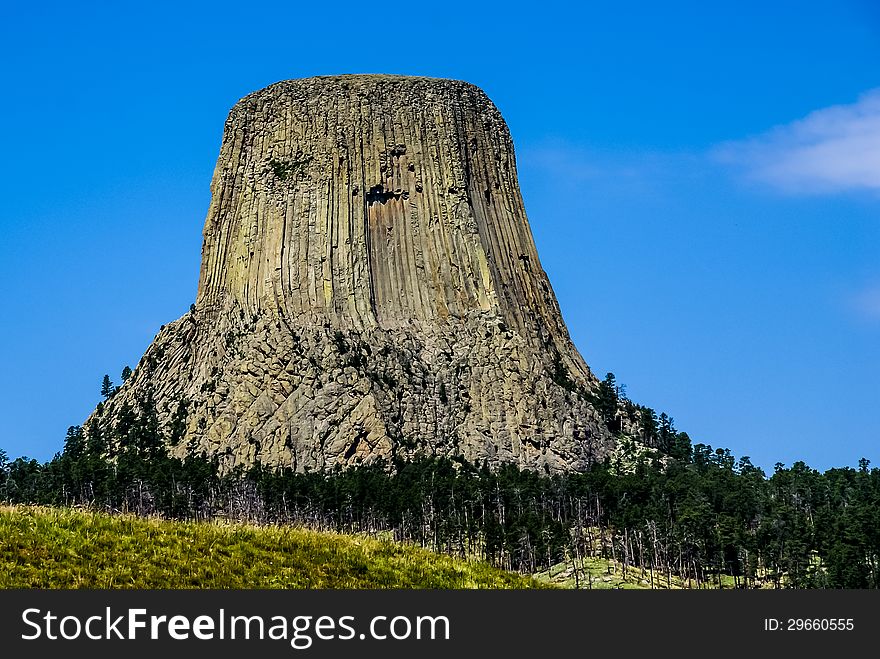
(830, 150)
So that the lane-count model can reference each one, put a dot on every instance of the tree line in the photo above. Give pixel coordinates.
(675, 512)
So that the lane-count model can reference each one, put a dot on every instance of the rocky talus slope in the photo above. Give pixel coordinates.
(369, 289)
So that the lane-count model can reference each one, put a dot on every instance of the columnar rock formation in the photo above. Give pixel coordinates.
(369, 289)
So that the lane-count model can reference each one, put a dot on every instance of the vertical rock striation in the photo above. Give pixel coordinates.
(370, 289)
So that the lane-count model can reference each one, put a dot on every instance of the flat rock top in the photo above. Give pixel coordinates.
(365, 83)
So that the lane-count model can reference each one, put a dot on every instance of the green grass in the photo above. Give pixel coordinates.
(63, 548)
(598, 574)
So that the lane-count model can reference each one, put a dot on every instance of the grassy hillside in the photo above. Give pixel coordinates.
(598, 573)
(62, 548)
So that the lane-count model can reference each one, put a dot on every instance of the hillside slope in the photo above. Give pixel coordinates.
(62, 548)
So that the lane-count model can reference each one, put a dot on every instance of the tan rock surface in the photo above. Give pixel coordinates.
(370, 289)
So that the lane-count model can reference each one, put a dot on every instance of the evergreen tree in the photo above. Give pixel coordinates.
(665, 433)
(106, 387)
(4, 472)
(97, 446)
(125, 430)
(607, 402)
(648, 422)
(681, 448)
(126, 373)
(74, 443)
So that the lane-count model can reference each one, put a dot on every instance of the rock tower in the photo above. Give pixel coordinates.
(369, 289)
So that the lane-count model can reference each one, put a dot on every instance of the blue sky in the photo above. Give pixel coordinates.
(703, 184)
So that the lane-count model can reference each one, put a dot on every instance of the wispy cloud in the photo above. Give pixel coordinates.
(867, 303)
(830, 150)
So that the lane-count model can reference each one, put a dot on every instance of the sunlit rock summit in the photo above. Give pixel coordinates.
(369, 289)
